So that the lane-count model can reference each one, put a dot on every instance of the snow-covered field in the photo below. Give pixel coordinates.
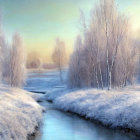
(116, 108)
(19, 114)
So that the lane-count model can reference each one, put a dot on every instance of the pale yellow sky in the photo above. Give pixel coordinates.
(40, 21)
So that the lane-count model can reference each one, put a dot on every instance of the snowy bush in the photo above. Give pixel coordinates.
(19, 114)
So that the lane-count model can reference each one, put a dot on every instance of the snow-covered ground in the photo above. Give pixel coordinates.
(19, 114)
(116, 108)
(44, 81)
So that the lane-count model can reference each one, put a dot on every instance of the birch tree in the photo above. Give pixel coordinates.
(108, 56)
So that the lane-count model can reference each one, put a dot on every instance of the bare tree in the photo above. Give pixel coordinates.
(17, 62)
(59, 56)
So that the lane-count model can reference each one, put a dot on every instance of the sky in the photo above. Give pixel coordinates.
(40, 21)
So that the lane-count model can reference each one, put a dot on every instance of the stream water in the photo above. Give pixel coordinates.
(59, 125)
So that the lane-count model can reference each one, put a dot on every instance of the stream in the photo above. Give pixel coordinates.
(59, 125)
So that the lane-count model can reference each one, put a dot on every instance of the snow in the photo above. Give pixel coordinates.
(115, 108)
(19, 114)
(44, 81)
(47, 82)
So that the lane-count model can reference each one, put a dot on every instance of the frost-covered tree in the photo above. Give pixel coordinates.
(5, 58)
(75, 69)
(2, 45)
(59, 56)
(4, 55)
(108, 57)
(17, 62)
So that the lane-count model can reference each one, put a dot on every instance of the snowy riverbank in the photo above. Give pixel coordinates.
(20, 114)
(116, 108)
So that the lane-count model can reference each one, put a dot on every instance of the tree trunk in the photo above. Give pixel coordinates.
(110, 80)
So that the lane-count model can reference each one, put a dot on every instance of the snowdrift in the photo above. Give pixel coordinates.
(116, 108)
(19, 114)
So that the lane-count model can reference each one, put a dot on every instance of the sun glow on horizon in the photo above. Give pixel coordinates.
(41, 21)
